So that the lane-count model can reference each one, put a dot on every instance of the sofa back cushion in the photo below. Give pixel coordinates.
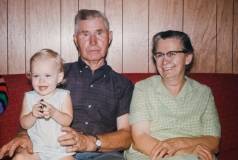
(223, 86)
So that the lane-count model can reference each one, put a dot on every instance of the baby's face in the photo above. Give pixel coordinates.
(45, 76)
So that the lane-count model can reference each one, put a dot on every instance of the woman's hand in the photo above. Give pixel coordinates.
(22, 141)
(78, 141)
(164, 149)
(201, 150)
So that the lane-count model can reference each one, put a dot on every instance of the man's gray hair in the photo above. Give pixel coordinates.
(85, 14)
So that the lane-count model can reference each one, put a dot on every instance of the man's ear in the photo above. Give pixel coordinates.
(110, 37)
(75, 40)
(189, 58)
(60, 77)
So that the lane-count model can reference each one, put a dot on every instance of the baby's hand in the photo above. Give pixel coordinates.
(37, 111)
(48, 109)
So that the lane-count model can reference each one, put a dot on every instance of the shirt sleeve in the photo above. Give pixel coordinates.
(125, 99)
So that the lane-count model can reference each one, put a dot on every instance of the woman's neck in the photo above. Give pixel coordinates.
(174, 86)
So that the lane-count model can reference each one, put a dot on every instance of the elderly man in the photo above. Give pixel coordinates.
(101, 97)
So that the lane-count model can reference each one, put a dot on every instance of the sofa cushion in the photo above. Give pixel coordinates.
(223, 86)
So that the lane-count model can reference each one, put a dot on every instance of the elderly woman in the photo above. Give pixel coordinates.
(173, 116)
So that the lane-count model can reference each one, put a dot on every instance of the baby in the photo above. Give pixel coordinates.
(46, 108)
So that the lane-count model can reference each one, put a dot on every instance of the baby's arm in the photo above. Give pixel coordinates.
(63, 117)
(27, 118)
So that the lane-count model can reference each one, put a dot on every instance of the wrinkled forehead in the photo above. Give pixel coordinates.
(93, 22)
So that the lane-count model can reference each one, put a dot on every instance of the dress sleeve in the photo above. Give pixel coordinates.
(210, 119)
(138, 109)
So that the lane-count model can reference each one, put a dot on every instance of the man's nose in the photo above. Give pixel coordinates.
(93, 39)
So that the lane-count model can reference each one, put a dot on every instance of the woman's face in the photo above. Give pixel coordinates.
(172, 68)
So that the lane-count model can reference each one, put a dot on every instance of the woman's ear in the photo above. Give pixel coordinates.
(60, 77)
(189, 58)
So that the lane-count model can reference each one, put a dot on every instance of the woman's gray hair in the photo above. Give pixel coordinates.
(85, 14)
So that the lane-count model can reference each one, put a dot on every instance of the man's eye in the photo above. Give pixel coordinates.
(85, 34)
(99, 33)
(48, 75)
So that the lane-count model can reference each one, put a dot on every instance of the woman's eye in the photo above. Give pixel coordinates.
(170, 54)
(159, 55)
(48, 75)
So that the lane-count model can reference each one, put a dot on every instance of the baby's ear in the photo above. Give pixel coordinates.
(60, 77)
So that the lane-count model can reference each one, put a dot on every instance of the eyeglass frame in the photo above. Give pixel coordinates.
(165, 54)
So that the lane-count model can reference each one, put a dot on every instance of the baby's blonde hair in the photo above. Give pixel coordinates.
(50, 54)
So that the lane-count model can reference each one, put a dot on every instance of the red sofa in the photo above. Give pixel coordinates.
(224, 88)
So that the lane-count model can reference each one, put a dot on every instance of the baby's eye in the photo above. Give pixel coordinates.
(48, 75)
(35, 76)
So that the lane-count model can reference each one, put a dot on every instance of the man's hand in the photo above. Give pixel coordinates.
(19, 142)
(78, 141)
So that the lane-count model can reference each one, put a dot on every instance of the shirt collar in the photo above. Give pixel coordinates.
(104, 68)
(186, 89)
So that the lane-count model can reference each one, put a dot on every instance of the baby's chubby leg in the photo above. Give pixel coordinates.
(24, 155)
(67, 158)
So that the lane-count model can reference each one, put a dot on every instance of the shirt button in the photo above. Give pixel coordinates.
(89, 106)
(86, 66)
(91, 85)
(104, 75)
(80, 71)
(176, 114)
(86, 123)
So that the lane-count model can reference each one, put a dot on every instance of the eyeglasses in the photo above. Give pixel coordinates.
(170, 55)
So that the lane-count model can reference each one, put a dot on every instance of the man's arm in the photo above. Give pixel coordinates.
(21, 140)
(119, 140)
(115, 141)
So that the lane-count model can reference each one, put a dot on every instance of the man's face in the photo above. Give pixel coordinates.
(92, 40)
